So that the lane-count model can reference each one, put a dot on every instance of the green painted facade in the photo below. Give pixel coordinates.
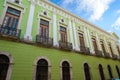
(24, 55)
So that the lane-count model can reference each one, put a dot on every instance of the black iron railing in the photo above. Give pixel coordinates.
(10, 32)
(65, 45)
(115, 56)
(84, 49)
(98, 53)
(107, 55)
(44, 40)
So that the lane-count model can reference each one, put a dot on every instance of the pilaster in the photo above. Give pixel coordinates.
(71, 33)
(55, 42)
(30, 22)
(75, 38)
(90, 42)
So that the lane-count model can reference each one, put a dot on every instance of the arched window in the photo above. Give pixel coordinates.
(118, 71)
(4, 65)
(42, 70)
(101, 72)
(87, 72)
(65, 71)
(110, 71)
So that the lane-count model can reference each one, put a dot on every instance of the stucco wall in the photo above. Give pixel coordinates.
(24, 57)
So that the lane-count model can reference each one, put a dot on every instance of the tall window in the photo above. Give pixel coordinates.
(44, 28)
(110, 72)
(65, 71)
(101, 72)
(42, 70)
(118, 71)
(4, 64)
(118, 50)
(82, 44)
(87, 72)
(103, 47)
(110, 48)
(11, 18)
(95, 45)
(63, 34)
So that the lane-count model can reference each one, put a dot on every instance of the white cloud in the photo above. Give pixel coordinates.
(118, 12)
(67, 1)
(95, 8)
(116, 24)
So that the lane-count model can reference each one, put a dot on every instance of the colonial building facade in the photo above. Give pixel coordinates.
(41, 41)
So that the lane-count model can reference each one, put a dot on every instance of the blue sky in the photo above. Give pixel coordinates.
(103, 13)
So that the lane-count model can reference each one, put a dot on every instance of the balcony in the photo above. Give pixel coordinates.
(114, 56)
(106, 55)
(65, 45)
(43, 40)
(8, 32)
(98, 53)
(84, 50)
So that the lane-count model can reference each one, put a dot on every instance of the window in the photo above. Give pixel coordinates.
(87, 72)
(95, 45)
(101, 72)
(42, 70)
(118, 71)
(4, 64)
(65, 71)
(118, 50)
(103, 47)
(11, 18)
(110, 71)
(110, 48)
(44, 30)
(63, 34)
(82, 44)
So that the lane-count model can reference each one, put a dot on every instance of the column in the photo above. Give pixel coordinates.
(71, 33)
(30, 22)
(77, 48)
(90, 42)
(98, 42)
(55, 42)
(86, 37)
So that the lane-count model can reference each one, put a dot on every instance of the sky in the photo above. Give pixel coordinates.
(102, 13)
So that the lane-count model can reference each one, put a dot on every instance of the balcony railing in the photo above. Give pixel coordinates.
(107, 55)
(10, 32)
(115, 56)
(43, 40)
(84, 49)
(65, 45)
(98, 53)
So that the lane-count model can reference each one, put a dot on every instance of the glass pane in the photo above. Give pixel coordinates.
(4, 63)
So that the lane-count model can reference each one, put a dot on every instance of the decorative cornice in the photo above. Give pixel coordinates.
(73, 15)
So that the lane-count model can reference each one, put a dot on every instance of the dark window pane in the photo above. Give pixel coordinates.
(44, 22)
(118, 71)
(13, 11)
(65, 71)
(101, 72)
(110, 72)
(4, 64)
(87, 72)
(42, 70)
